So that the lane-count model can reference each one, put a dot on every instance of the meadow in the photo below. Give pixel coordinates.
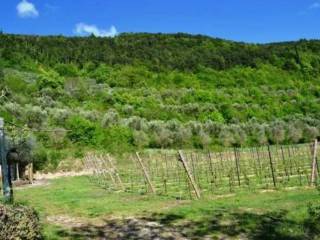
(75, 208)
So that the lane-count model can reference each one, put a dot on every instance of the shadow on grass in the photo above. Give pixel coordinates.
(122, 229)
(219, 225)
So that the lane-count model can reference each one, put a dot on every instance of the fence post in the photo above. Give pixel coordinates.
(314, 163)
(115, 171)
(17, 171)
(190, 177)
(236, 158)
(30, 172)
(272, 169)
(146, 175)
(6, 179)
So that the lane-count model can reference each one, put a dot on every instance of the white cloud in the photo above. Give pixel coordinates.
(314, 5)
(27, 9)
(85, 29)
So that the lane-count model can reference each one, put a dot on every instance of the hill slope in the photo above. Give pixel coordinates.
(157, 91)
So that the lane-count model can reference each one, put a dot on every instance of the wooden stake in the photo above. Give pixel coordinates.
(145, 172)
(188, 172)
(30, 173)
(211, 167)
(272, 169)
(284, 163)
(314, 163)
(115, 171)
(17, 171)
(237, 166)
(103, 167)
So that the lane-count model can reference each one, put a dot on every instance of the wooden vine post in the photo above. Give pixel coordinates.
(145, 172)
(30, 172)
(115, 171)
(272, 168)
(188, 172)
(6, 178)
(314, 163)
(236, 158)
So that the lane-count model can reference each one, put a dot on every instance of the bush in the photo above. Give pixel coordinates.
(40, 159)
(67, 70)
(110, 118)
(19, 222)
(81, 130)
(141, 139)
(117, 138)
(34, 116)
(312, 223)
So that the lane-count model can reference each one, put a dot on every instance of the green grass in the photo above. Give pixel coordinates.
(79, 198)
(278, 214)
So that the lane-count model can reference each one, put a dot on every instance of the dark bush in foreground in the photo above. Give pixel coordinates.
(18, 222)
(312, 224)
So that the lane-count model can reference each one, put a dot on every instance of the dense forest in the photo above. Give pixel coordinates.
(71, 94)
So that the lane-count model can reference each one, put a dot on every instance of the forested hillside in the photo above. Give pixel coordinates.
(156, 91)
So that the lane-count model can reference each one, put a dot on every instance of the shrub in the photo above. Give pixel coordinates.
(49, 79)
(14, 109)
(117, 138)
(81, 130)
(140, 139)
(60, 115)
(19, 222)
(137, 123)
(40, 158)
(312, 223)
(110, 118)
(67, 70)
(35, 116)
(163, 138)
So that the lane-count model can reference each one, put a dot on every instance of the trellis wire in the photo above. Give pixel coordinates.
(264, 167)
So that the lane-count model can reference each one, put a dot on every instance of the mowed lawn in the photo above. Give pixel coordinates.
(281, 214)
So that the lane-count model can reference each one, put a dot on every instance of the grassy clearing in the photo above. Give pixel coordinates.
(257, 215)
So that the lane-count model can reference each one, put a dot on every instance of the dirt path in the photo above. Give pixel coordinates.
(115, 229)
(41, 176)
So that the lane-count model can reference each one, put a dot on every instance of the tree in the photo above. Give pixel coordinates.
(163, 138)
(294, 133)
(34, 116)
(310, 133)
(226, 137)
(110, 118)
(140, 139)
(205, 140)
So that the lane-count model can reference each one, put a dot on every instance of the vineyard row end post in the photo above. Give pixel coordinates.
(145, 172)
(314, 163)
(190, 177)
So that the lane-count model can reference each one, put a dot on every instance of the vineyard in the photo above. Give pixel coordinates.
(195, 174)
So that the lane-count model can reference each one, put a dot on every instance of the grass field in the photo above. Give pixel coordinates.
(69, 207)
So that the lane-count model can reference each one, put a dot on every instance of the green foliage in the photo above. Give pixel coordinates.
(249, 214)
(312, 223)
(68, 70)
(49, 79)
(81, 130)
(19, 222)
(1, 77)
(40, 159)
(159, 91)
(117, 139)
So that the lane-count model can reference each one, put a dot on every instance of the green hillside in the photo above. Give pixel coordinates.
(155, 91)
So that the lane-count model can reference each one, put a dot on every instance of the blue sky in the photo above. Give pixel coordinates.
(241, 20)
